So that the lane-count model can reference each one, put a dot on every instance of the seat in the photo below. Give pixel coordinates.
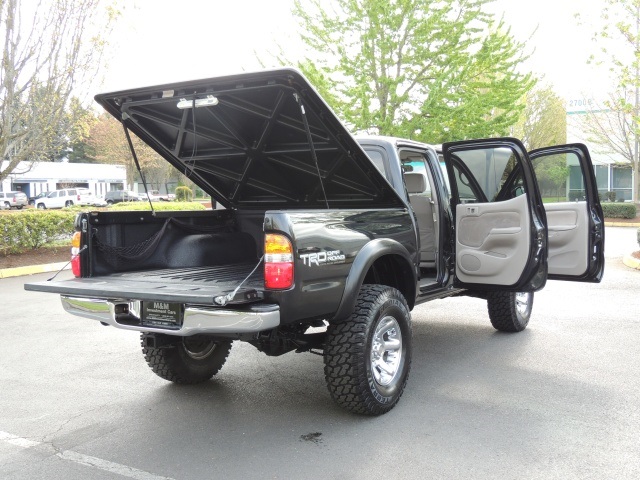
(423, 207)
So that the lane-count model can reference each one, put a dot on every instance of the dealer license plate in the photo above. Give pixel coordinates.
(162, 314)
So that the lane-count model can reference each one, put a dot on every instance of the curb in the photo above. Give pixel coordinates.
(33, 269)
(631, 262)
(621, 224)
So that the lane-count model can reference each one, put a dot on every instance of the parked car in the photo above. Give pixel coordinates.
(117, 196)
(13, 200)
(66, 197)
(155, 195)
(34, 200)
(99, 201)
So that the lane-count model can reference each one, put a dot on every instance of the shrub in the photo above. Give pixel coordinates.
(619, 210)
(184, 194)
(611, 196)
(32, 229)
(638, 236)
(158, 206)
(576, 195)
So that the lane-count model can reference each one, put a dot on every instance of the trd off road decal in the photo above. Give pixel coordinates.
(328, 257)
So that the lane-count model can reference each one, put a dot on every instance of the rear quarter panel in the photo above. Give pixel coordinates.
(325, 246)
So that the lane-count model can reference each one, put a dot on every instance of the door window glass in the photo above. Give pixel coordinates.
(487, 174)
(560, 177)
(378, 160)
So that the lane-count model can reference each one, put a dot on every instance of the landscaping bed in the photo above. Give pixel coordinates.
(37, 256)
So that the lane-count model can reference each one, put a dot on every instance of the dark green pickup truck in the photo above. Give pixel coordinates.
(322, 242)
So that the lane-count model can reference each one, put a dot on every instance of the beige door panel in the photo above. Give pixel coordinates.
(492, 241)
(568, 237)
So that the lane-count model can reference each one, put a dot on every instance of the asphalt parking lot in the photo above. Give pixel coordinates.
(559, 400)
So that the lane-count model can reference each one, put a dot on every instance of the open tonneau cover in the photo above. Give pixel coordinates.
(197, 286)
(256, 140)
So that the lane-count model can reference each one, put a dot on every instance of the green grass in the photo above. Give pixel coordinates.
(553, 199)
(157, 206)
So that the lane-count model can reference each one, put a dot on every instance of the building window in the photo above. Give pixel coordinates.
(621, 183)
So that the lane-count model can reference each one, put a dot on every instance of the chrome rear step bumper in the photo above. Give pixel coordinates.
(196, 319)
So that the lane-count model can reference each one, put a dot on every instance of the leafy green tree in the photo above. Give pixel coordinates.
(544, 123)
(71, 133)
(544, 120)
(43, 60)
(552, 173)
(108, 144)
(434, 70)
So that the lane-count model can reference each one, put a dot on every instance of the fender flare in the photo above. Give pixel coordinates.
(363, 261)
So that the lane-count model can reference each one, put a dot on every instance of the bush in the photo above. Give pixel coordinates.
(638, 236)
(611, 196)
(576, 195)
(184, 194)
(32, 229)
(158, 206)
(619, 210)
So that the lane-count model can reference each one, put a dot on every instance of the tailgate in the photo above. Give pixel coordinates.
(196, 285)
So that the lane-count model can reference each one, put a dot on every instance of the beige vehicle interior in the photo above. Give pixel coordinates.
(493, 233)
(422, 203)
(492, 241)
(567, 218)
(493, 236)
(418, 180)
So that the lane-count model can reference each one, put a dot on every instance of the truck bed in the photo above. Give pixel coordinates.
(193, 285)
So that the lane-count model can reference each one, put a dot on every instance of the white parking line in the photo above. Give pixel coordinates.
(17, 441)
(86, 460)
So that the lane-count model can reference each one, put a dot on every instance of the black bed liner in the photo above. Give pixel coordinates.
(194, 285)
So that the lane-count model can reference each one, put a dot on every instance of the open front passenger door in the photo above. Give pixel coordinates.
(500, 223)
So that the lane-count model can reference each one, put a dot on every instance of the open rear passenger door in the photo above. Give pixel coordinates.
(575, 221)
(500, 225)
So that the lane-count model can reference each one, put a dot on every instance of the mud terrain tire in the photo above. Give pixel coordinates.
(367, 357)
(187, 360)
(510, 311)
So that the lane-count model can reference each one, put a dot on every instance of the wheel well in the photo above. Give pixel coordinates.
(393, 271)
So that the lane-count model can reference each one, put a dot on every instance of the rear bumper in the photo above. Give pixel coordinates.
(196, 319)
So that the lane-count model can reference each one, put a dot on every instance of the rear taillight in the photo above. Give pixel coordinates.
(75, 254)
(278, 261)
(78, 197)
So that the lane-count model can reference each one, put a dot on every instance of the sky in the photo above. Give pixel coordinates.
(161, 41)
(561, 43)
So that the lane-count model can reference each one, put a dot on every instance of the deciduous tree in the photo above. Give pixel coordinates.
(433, 70)
(71, 133)
(50, 48)
(544, 120)
(108, 144)
(613, 124)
